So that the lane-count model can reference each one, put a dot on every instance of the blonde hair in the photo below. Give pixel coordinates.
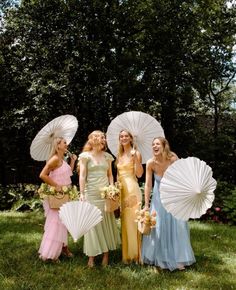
(120, 147)
(93, 140)
(167, 153)
(56, 141)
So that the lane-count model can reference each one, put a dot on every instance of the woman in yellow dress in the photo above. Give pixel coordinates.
(129, 167)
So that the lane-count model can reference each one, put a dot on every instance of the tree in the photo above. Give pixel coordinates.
(96, 59)
(186, 46)
(214, 67)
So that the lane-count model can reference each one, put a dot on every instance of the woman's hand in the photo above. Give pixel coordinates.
(73, 157)
(58, 188)
(146, 208)
(133, 152)
(82, 197)
(137, 158)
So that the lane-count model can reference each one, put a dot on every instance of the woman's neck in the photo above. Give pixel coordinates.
(127, 148)
(96, 151)
(126, 154)
(158, 158)
(60, 155)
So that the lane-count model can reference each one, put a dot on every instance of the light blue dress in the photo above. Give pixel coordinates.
(169, 243)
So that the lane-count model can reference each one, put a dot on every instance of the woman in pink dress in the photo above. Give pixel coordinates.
(57, 173)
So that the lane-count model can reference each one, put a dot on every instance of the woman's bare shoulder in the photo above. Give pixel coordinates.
(54, 160)
(150, 163)
(174, 157)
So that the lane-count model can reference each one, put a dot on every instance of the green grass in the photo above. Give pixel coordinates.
(20, 235)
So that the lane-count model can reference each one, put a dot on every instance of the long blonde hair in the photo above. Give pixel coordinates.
(93, 140)
(167, 153)
(55, 143)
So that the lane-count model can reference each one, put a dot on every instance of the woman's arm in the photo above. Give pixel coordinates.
(82, 176)
(109, 173)
(138, 167)
(174, 157)
(51, 165)
(148, 183)
(72, 161)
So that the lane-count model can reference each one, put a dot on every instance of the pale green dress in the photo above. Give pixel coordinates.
(105, 235)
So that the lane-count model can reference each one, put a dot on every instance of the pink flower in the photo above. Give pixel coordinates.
(217, 209)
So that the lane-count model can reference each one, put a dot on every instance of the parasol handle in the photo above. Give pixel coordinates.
(69, 153)
(133, 150)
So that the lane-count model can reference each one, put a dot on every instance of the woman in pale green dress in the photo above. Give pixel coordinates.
(95, 172)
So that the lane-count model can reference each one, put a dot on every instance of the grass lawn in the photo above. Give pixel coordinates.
(20, 235)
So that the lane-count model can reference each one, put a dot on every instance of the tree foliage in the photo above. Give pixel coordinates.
(96, 59)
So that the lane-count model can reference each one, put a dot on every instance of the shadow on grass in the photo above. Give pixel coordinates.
(18, 222)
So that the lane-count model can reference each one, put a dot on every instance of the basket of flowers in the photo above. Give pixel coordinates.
(111, 194)
(146, 221)
(57, 198)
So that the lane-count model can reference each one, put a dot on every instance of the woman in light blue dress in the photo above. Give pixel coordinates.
(168, 246)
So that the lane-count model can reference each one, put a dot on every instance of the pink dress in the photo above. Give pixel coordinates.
(55, 233)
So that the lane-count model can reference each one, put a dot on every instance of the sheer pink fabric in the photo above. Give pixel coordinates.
(55, 233)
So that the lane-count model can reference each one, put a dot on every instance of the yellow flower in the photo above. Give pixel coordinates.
(64, 188)
(110, 191)
(52, 189)
(153, 222)
(40, 190)
(46, 190)
(144, 217)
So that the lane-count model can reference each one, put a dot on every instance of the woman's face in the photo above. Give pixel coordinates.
(99, 139)
(62, 145)
(124, 138)
(102, 139)
(157, 147)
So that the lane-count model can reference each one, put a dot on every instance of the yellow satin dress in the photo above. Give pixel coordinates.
(130, 201)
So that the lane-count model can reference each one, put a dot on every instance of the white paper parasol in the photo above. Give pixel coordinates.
(187, 188)
(79, 217)
(64, 126)
(142, 126)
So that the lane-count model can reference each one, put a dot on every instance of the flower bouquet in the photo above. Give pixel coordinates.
(111, 194)
(146, 221)
(57, 198)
